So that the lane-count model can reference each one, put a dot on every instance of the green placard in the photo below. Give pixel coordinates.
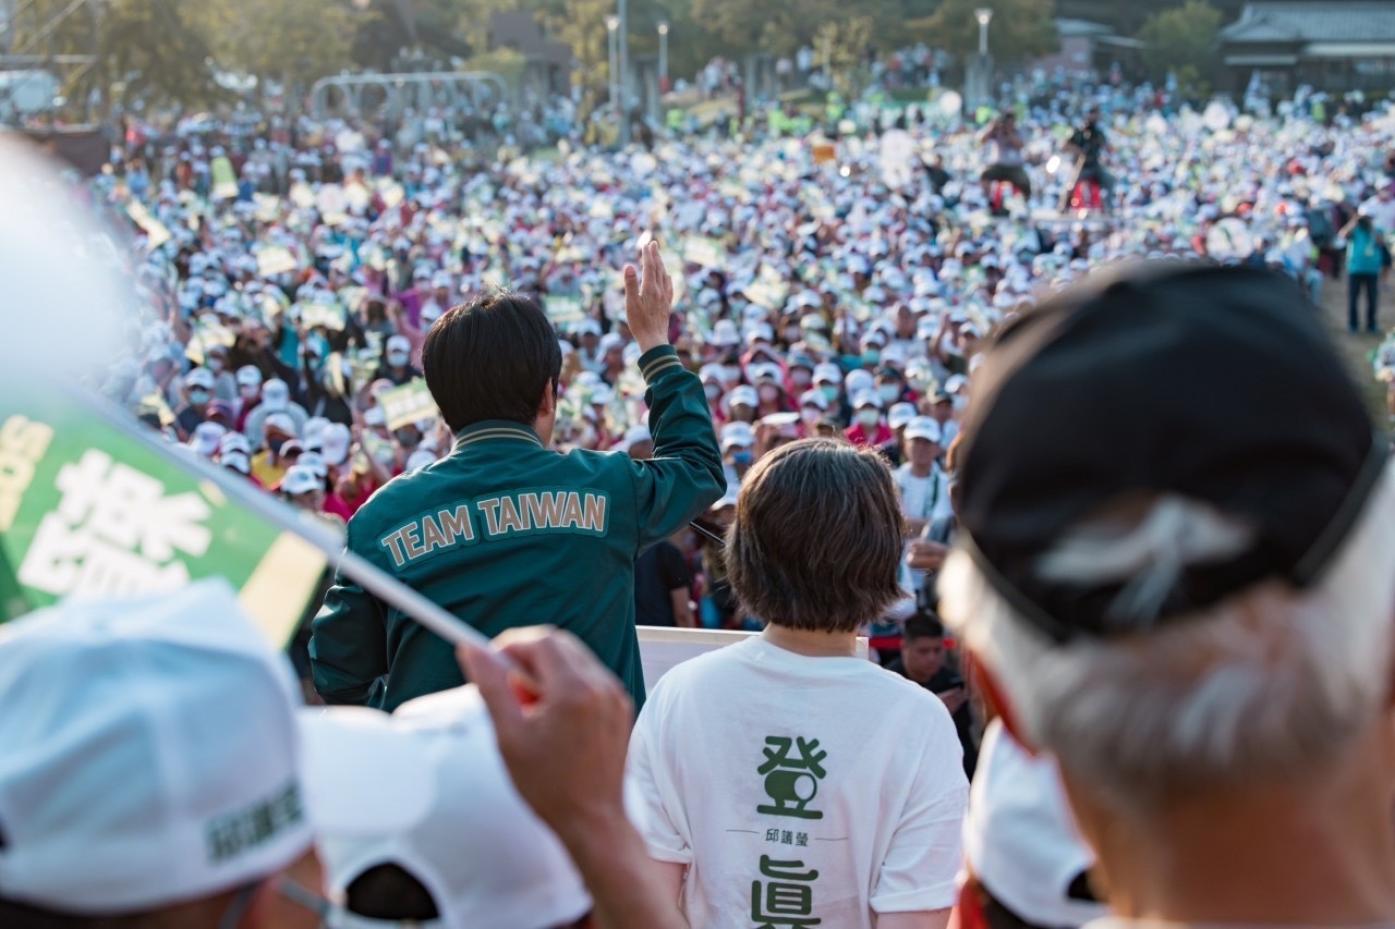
(563, 309)
(90, 508)
(409, 403)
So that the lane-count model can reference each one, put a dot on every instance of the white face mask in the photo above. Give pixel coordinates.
(800, 378)
(248, 391)
(888, 392)
(769, 392)
(868, 417)
(214, 364)
(397, 359)
(811, 414)
(198, 395)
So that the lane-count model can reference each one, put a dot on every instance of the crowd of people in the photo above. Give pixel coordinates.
(839, 289)
(1184, 663)
(836, 297)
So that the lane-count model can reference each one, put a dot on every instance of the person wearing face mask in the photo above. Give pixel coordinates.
(939, 406)
(738, 451)
(770, 395)
(711, 375)
(397, 362)
(224, 384)
(801, 374)
(198, 390)
(891, 387)
(276, 398)
(897, 418)
(280, 449)
(868, 427)
(828, 380)
(612, 357)
(813, 406)
(742, 403)
(249, 395)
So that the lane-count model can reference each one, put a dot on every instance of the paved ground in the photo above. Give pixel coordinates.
(1357, 348)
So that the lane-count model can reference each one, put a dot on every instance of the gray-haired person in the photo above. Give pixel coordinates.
(1182, 589)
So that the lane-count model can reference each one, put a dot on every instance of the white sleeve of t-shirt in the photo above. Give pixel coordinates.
(918, 873)
(650, 797)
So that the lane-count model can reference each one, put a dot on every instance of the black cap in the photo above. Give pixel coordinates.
(1217, 385)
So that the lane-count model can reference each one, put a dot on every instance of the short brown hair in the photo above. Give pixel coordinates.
(816, 543)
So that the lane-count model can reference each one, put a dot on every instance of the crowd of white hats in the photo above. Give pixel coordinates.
(809, 278)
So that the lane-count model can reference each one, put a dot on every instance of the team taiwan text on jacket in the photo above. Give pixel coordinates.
(504, 532)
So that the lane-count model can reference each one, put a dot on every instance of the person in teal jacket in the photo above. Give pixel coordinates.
(504, 531)
(1365, 260)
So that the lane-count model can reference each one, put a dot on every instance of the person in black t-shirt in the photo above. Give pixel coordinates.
(662, 587)
(923, 661)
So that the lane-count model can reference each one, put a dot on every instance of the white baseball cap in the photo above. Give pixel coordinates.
(300, 479)
(724, 333)
(249, 376)
(233, 442)
(275, 394)
(764, 372)
(828, 373)
(399, 343)
(150, 753)
(315, 462)
(813, 398)
(743, 395)
(738, 434)
(858, 380)
(417, 460)
(314, 429)
(901, 414)
(199, 377)
(206, 439)
(923, 427)
(470, 840)
(334, 443)
(237, 461)
(281, 422)
(865, 399)
(634, 436)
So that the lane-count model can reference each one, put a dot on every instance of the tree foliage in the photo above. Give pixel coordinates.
(841, 46)
(1020, 29)
(144, 49)
(293, 41)
(1182, 40)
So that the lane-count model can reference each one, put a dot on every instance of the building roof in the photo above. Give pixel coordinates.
(1303, 22)
(1066, 27)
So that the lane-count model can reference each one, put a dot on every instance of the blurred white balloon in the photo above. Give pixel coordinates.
(67, 303)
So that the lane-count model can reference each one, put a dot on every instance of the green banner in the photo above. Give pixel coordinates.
(90, 508)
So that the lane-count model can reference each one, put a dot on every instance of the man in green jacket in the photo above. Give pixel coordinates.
(504, 531)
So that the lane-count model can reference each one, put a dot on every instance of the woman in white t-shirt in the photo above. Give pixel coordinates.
(786, 782)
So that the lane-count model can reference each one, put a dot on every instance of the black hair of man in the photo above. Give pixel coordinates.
(491, 359)
(923, 625)
(389, 892)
